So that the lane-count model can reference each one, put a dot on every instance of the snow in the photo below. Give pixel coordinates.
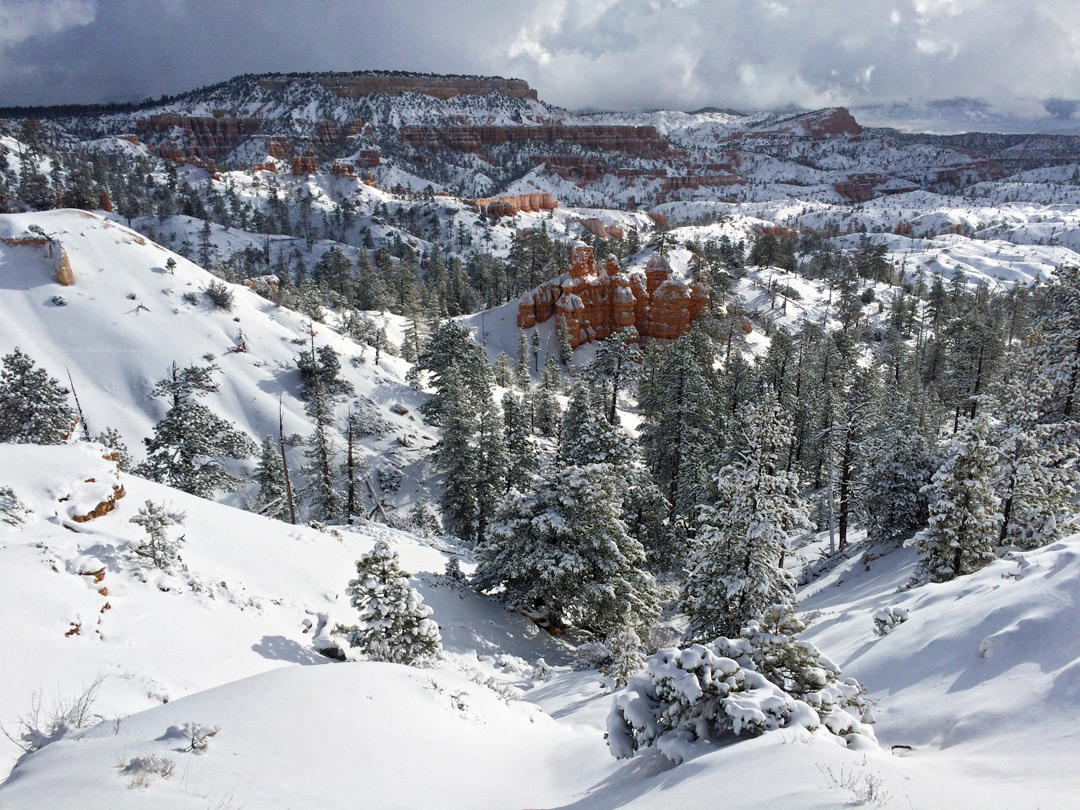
(981, 680)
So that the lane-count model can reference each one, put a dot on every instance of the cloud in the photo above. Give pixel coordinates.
(598, 54)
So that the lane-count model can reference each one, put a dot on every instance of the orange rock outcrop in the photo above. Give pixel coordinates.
(515, 204)
(596, 301)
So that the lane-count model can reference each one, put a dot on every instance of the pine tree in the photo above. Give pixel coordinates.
(521, 452)
(1037, 476)
(681, 429)
(1058, 325)
(270, 476)
(561, 553)
(34, 407)
(899, 463)
(189, 443)
(546, 410)
(615, 367)
(353, 468)
(566, 351)
(522, 377)
(395, 624)
(158, 547)
(735, 571)
(965, 516)
(324, 498)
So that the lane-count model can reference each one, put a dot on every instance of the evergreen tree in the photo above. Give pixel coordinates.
(681, 428)
(736, 569)
(522, 377)
(546, 410)
(561, 553)
(353, 467)
(190, 442)
(899, 463)
(1037, 474)
(395, 625)
(521, 453)
(1058, 325)
(270, 476)
(965, 516)
(615, 367)
(566, 351)
(34, 407)
(158, 547)
(321, 490)
(471, 454)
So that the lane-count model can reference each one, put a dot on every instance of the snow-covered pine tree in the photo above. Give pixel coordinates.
(34, 407)
(735, 572)
(395, 625)
(502, 372)
(522, 377)
(190, 441)
(561, 553)
(158, 547)
(321, 490)
(899, 461)
(1058, 326)
(354, 468)
(965, 516)
(682, 427)
(1037, 477)
(270, 476)
(546, 411)
(615, 367)
(521, 452)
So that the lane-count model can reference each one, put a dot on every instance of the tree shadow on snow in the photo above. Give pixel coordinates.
(279, 648)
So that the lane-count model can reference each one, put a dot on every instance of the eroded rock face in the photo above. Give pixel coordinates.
(515, 204)
(596, 301)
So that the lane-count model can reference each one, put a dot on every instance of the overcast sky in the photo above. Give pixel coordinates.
(581, 54)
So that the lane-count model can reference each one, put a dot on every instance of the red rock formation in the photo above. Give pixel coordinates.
(598, 301)
(344, 169)
(443, 87)
(305, 165)
(509, 206)
(368, 159)
(207, 136)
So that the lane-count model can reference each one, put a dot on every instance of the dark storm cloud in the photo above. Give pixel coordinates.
(613, 54)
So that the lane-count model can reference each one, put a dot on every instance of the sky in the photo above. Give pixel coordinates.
(1021, 55)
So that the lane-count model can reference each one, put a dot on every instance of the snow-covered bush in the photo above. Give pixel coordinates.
(692, 696)
(760, 682)
(887, 618)
(394, 621)
(158, 546)
(770, 646)
(12, 509)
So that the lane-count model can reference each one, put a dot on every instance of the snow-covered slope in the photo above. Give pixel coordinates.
(980, 682)
(122, 323)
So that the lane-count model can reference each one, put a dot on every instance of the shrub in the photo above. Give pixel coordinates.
(888, 618)
(219, 294)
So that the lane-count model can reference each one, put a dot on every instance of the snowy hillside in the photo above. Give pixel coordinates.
(975, 688)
